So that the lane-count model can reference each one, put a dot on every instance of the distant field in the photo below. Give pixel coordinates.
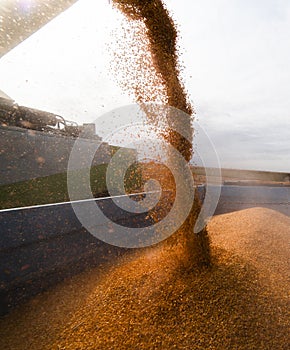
(245, 176)
(53, 188)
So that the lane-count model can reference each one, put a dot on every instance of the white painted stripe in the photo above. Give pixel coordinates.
(78, 201)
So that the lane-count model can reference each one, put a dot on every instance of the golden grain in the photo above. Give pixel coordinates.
(148, 301)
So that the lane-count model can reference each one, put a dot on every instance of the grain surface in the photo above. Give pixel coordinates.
(148, 301)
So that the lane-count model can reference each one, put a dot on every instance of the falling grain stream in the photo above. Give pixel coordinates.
(156, 40)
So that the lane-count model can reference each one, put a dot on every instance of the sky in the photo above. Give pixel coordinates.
(236, 58)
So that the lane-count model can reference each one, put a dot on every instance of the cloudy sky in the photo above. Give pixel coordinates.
(236, 55)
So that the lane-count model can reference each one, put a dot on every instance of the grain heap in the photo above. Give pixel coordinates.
(242, 302)
(150, 71)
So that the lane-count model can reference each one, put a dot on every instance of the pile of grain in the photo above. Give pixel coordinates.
(260, 236)
(149, 302)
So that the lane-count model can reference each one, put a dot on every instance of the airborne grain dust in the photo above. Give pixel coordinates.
(147, 67)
